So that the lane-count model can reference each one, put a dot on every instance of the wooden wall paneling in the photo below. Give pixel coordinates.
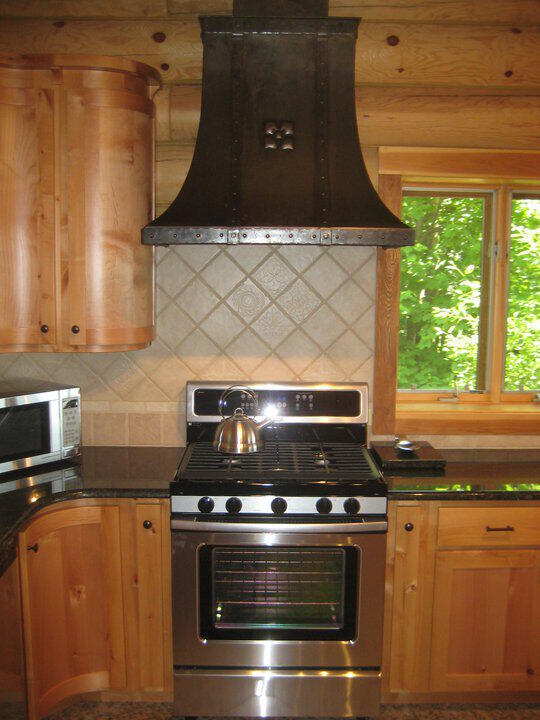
(83, 8)
(396, 116)
(440, 11)
(486, 608)
(437, 162)
(387, 319)
(425, 54)
(172, 164)
(72, 605)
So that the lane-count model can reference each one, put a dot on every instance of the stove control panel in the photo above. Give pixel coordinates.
(346, 403)
(278, 506)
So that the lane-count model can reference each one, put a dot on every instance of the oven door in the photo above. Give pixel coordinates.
(278, 595)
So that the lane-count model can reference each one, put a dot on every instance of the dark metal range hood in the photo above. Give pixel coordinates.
(277, 158)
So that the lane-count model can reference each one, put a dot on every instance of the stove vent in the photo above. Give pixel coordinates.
(277, 158)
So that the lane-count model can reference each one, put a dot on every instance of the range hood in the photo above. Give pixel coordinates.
(277, 158)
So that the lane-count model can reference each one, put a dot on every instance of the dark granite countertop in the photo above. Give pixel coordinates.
(131, 472)
(505, 481)
(105, 472)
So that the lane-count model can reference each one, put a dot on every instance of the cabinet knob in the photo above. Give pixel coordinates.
(75, 329)
(34, 547)
(147, 524)
(409, 527)
(44, 329)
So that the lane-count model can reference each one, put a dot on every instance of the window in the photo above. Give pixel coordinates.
(458, 342)
(445, 291)
(522, 362)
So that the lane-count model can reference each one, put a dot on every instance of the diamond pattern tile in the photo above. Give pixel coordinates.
(274, 276)
(248, 300)
(253, 313)
(325, 275)
(198, 300)
(299, 301)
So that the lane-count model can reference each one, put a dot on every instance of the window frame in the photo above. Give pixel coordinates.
(495, 411)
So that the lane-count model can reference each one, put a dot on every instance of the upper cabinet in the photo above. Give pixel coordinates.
(76, 172)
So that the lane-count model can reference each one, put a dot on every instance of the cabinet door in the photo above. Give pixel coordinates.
(147, 571)
(409, 622)
(486, 620)
(109, 137)
(27, 215)
(72, 605)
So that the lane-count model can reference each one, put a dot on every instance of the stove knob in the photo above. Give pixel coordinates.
(279, 505)
(324, 506)
(206, 505)
(351, 506)
(233, 505)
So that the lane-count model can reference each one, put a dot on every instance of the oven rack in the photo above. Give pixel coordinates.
(280, 587)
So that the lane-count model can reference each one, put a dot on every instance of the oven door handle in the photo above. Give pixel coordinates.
(367, 526)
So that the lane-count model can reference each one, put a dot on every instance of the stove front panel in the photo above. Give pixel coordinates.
(278, 600)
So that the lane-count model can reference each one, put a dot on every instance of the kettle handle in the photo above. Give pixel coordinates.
(233, 388)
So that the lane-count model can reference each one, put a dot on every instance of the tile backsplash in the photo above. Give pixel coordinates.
(241, 313)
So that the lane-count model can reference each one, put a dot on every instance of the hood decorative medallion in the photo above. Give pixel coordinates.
(277, 158)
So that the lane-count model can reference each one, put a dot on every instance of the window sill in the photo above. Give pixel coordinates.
(467, 418)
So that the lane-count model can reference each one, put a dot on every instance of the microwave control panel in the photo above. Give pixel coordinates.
(71, 422)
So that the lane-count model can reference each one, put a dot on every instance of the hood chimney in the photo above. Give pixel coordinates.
(277, 158)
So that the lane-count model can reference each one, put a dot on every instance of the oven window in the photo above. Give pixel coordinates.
(278, 592)
(24, 431)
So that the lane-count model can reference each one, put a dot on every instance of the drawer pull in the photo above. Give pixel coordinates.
(34, 547)
(508, 528)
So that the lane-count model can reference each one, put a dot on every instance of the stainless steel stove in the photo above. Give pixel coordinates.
(314, 461)
(278, 558)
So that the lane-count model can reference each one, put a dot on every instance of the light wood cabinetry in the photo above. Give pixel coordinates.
(72, 605)
(146, 569)
(462, 613)
(486, 620)
(95, 580)
(76, 171)
(11, 649)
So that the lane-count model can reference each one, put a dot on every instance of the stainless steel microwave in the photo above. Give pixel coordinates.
(39, 423)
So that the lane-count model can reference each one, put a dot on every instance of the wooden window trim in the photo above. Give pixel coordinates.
(495, 412)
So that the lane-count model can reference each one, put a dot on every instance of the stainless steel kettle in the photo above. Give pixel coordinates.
(239, 434)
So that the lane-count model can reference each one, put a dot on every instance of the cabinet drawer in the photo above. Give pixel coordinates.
(483, 526)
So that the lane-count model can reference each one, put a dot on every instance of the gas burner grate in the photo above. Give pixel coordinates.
(280, 461)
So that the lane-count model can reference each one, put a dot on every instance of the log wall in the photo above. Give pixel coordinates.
(445, 73)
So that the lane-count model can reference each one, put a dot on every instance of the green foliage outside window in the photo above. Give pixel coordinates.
(441, 293)
(523, 321)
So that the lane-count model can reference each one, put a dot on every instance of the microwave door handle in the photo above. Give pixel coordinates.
(367, 526)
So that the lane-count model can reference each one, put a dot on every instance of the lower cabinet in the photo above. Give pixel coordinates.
(71, 577)
(95, 600)
(462, 608)
(486, 620)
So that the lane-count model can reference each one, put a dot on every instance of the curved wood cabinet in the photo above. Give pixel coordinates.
(96, 601)
(72, 605)
(76, 172)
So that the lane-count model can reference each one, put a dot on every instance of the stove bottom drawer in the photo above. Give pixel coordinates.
(276, 693)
